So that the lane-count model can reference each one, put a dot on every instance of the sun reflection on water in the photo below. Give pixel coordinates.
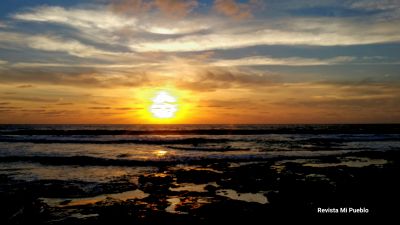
(160, 153)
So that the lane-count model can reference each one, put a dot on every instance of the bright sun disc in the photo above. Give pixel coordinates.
(164, 105)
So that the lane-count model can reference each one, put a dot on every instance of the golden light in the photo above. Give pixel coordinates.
(160, 153)
(164, 105)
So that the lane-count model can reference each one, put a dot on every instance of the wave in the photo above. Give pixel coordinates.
(195, 141)
(95, 161)
(94, 130)
(155, 141)
(206, 160)
(209, 149)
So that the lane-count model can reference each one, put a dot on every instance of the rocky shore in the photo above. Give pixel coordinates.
(212, 192)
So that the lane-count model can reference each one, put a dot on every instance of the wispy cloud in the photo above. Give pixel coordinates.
(388, 9)
(57, 44)
(82, 65)
(25, 86)
(176, 7)
(53, 44)
(214, 78)
(113, 26)
(377, 4)
(3, 25)
(65, 103)
(95, 23)
(131, 6)
(3, 64)
(346, 96)
(173, 8)
(33, 99)
(88, 78)
(318, 32)
(291, 61)
(99, 108)
(141, 34)
(234, 9)
(127, 108)
(76, 17)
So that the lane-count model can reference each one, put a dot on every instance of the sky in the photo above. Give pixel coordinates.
(223, 61)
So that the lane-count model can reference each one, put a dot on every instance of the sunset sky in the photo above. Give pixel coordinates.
(225, 61)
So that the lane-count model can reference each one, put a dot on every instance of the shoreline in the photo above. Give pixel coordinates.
(209, 192)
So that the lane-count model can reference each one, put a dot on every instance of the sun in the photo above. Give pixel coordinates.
(164, 105)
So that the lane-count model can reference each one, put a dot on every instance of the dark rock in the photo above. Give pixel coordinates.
(155, 183)
(211, 189)
(196, 176)
(250, 178)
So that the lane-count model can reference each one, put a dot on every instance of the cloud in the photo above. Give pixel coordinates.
(174, 8)
(8, 107)
(177, 27)
(354, 103)
(57, 44)
(83, 18)
(32, 99)
(365, 88)
(25, 86)
(291, 61)
(233, 9)
(3, 25)
(47, 113)
(65, 103)
(149, 33)
(102, 25)
(10, 40)
(102, 108)
(317, 32)
(95, 23)
(123, 108)
(131, 6)
(54, 44)
(59, 113)
(2, 63)
(83, 65)
(348, 102)
(99, 23)
(80, 78)
(387, 9)
(127, 108)
(227, 104)
(376, 4)
(213, 78)
(194, 73)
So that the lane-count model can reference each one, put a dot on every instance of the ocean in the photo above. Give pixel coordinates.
(177, 170)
